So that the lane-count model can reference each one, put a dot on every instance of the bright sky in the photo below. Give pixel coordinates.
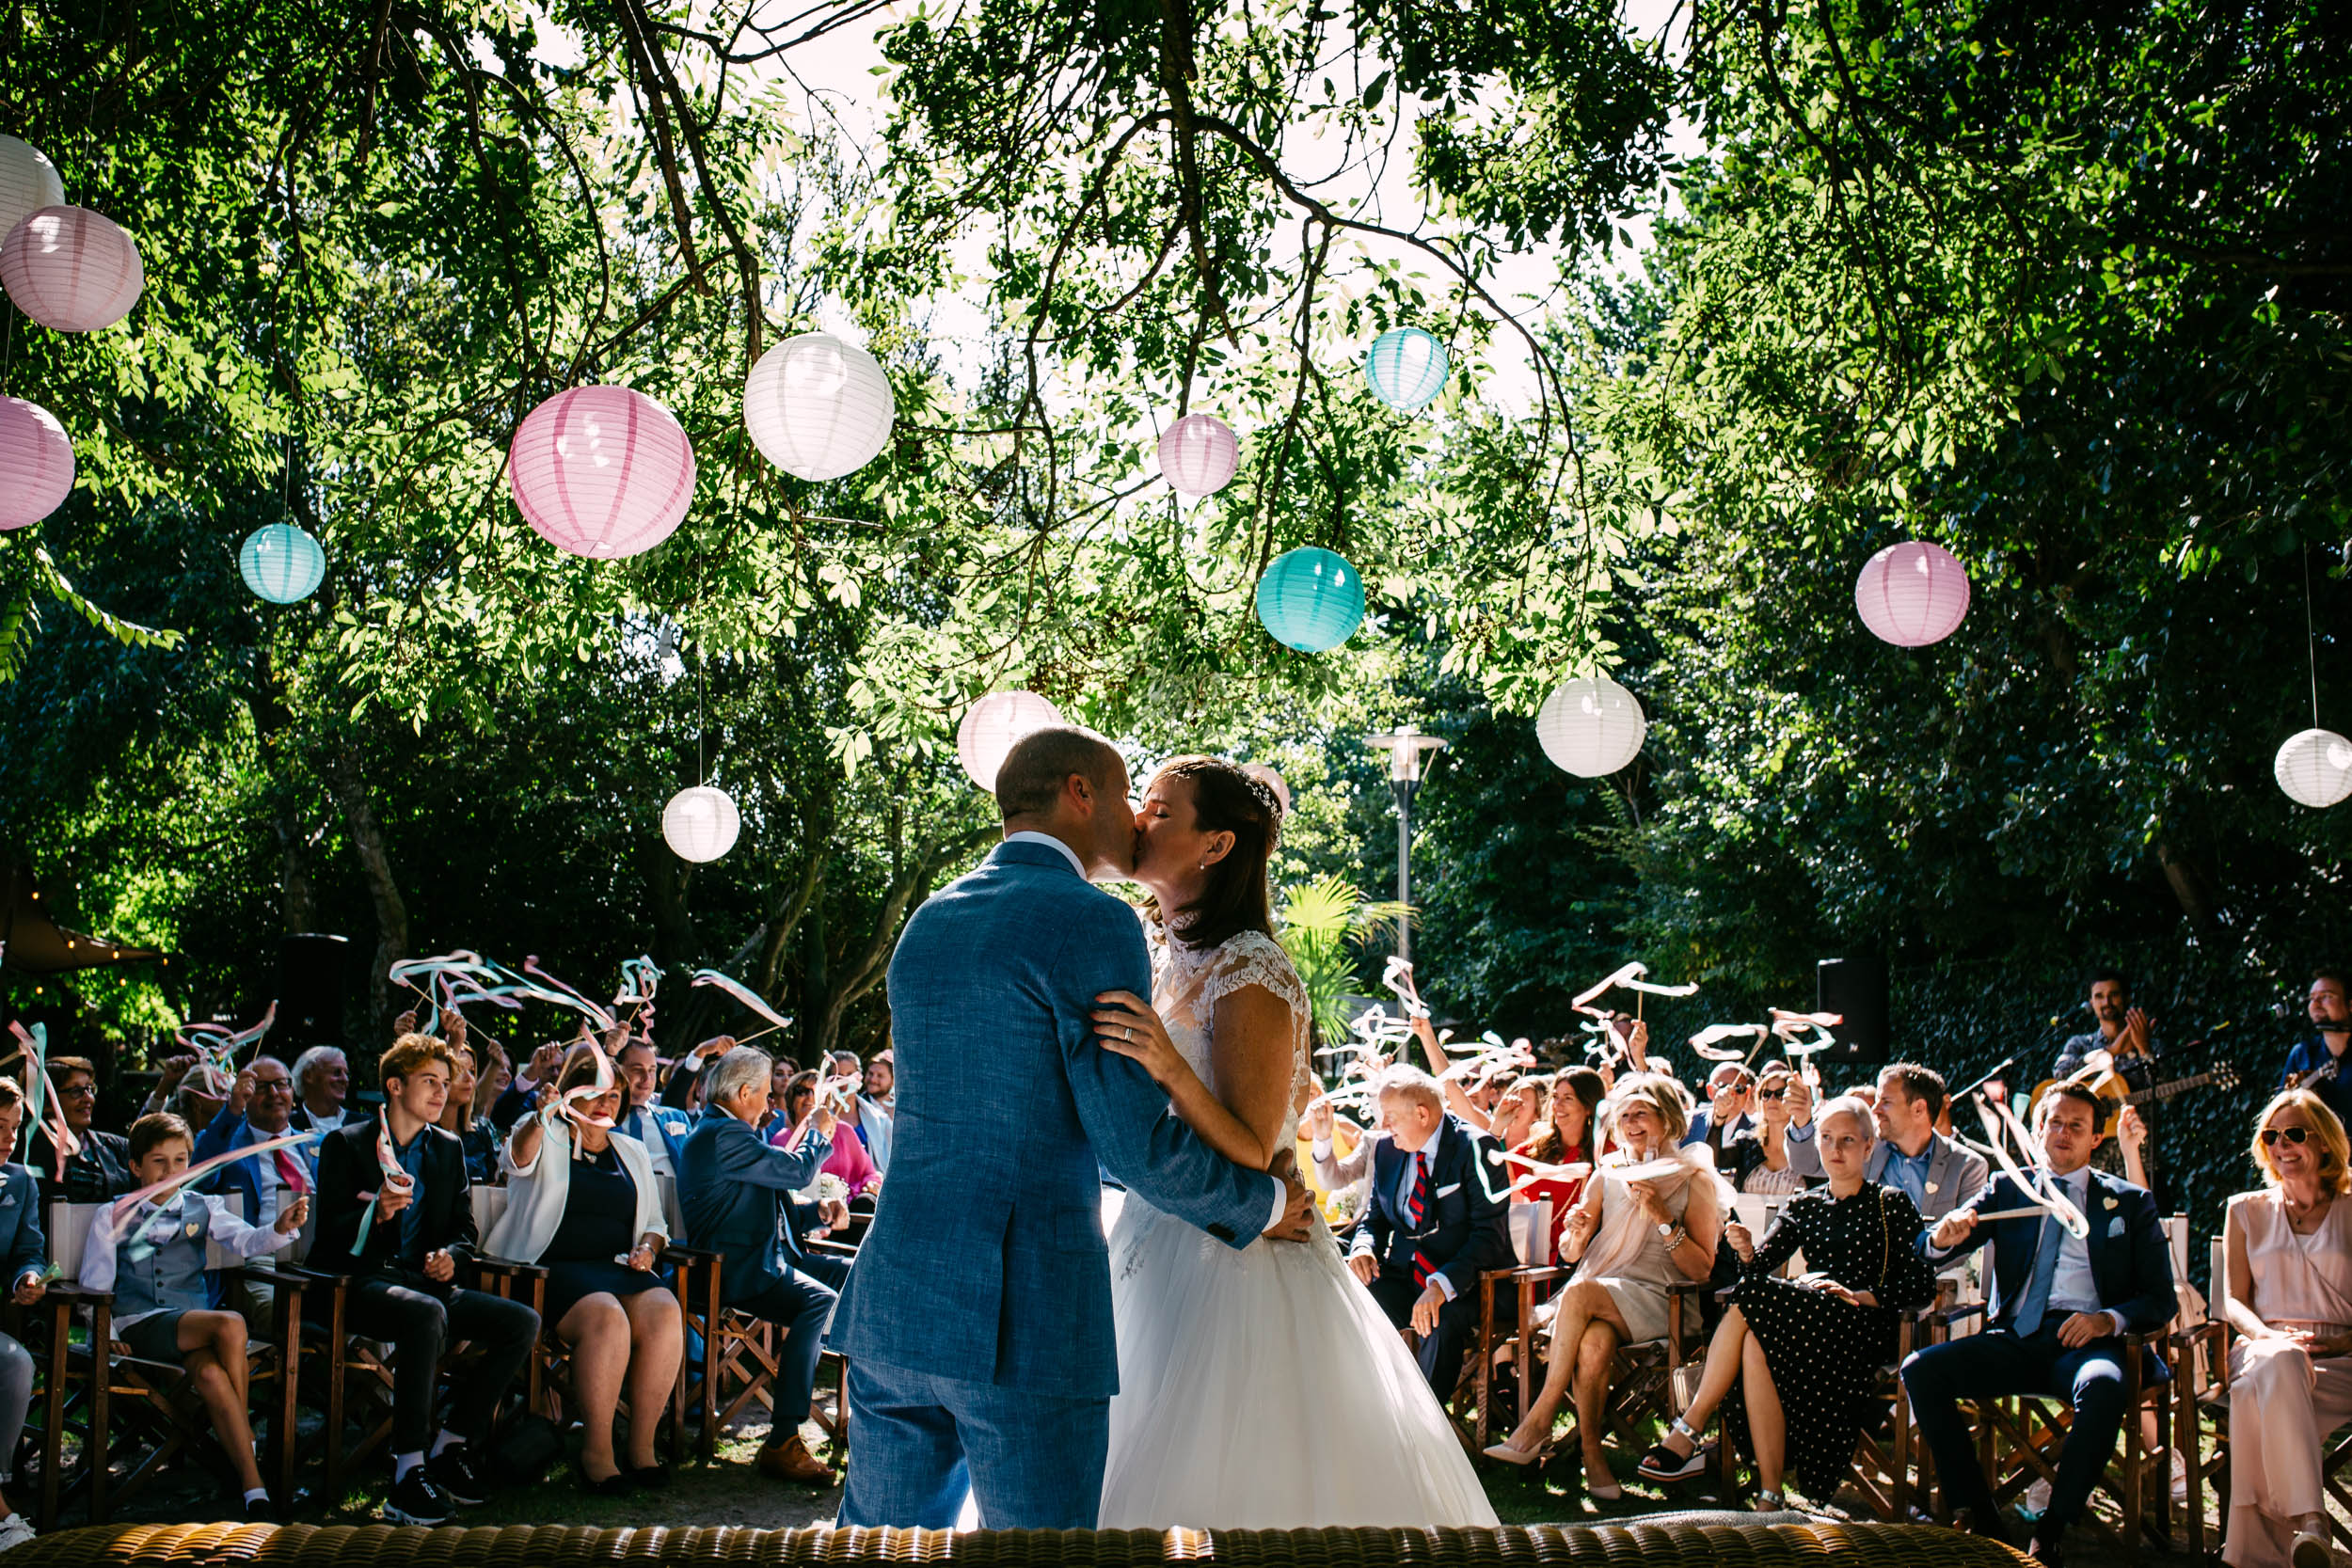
(841, 94)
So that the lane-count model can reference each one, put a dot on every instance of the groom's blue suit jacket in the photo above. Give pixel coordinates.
(985, 1263)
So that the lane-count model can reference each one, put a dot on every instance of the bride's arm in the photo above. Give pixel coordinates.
(1249, 1051)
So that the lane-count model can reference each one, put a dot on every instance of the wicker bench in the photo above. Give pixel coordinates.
(1658, 1543)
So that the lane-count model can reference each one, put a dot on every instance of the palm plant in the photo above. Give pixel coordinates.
(1321, 921)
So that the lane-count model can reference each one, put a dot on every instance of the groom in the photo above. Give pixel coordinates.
(978, 1322)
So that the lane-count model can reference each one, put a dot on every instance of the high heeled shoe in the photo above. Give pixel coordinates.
(1523, 1457)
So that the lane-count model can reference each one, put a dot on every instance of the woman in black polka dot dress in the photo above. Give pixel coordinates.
(1822, 1337)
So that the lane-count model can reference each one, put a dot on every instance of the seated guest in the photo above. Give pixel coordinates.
(1335, 1171)
(322, 1078)
(2288, 1292)
(100, 1168)
(522, 1094)
(1633, 1241)
(1433, 1219)
(23, 1263)
(1824, 1334)
(401, 1235)
(882, 1080)
(660, 1128)
(848, 1159)
(682, 1089)
(2060, 1304)
(1922, 1163)
(1762, 1159)
(1564, 1137)
(2324, 1052)
(476, 1137)
(258, 1108)
(1730, 1105)
(737, 1193)
(582, 1204)
(162, 1302)
(1517, 1108)
(864, 1117)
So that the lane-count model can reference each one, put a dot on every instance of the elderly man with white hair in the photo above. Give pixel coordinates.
(1436, 1216)
(322, 1077)
(734, 1188)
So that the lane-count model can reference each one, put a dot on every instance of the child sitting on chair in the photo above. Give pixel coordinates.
(153, 1262)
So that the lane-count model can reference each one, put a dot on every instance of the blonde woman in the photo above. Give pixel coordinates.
(1632, 1242)
(2288, 1292)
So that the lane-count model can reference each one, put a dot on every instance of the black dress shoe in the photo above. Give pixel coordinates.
(652, 1477)
(614, 1485)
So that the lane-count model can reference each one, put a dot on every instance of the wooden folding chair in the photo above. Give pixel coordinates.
(163, 1417)
(737, 1364)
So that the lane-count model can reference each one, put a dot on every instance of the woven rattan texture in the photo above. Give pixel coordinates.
(1633, 1544)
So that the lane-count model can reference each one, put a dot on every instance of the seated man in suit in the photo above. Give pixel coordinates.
(735, 1189)
(400, 1230)
(2060, 1304)
(1933, 1171)
(259, 1108)
(663, 1128)
(1432, 1221)
(1730, 1108)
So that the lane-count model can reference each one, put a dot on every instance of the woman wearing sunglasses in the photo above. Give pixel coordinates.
(1758, 1158)
(2288, 1292)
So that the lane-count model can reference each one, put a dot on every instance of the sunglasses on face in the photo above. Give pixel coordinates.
(1772, 1094)
(2293, 1134)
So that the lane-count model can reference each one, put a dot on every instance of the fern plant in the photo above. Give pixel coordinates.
(1322, 921)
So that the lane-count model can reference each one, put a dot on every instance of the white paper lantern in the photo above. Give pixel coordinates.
(1199, 454)
(1912, 594)
(601, 471)
(28, 181)
(2316, 767)
(700, 823)
(992, 724)
(36, 463)
(818, 407)
(1591, 726)
(70, 269)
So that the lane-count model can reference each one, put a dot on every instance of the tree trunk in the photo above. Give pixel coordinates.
(391, 911)
(872, 964)
(297, 900)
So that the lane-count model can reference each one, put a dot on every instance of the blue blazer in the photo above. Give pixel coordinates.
(667, 1122)
(229, 1132)
(732, 1188)
(23, 1247)
(2130, 1263)
(1466, 1227)
(985, 1263)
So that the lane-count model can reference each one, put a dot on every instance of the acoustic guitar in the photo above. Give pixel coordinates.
(2098, 1074)
(2315, 1076)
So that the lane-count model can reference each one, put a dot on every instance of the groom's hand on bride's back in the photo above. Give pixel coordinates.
(1298, 1204)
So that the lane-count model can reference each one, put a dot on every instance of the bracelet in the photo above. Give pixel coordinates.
(1674, 1242)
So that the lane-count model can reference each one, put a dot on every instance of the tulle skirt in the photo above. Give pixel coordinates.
(1264, 1388)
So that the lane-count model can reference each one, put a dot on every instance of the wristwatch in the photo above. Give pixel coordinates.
(1666, 1230)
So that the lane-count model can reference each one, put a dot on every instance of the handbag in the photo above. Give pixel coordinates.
(529, 1449)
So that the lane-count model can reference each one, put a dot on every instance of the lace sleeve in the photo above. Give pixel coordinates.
(1251, 958)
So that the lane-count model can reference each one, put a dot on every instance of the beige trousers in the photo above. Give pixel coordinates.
(2283, 1407)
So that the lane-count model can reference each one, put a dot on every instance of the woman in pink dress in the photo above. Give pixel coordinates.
(2288, 1292)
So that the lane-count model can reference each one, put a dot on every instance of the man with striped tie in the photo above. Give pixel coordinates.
(1437, 1216)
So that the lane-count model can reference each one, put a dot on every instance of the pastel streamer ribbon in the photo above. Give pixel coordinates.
(564, 996)
(742, 993)
(43, 1108)
(387, 1162)
(829, 1089)
(118, 1216)
(1705, 1041)
(1537, 1170)
(1630, 978)
(1398, 977)
(2035, 1180)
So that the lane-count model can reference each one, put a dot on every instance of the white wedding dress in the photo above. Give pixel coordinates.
(1262, 1387)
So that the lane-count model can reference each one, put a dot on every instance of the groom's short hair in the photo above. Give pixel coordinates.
(1042, 762)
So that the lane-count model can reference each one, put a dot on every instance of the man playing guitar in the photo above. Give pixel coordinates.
(2127, 1037)
(2318, 1064)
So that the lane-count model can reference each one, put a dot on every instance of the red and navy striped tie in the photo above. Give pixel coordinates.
(1415, 1206)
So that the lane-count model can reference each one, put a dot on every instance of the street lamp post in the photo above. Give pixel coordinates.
(1407, 748)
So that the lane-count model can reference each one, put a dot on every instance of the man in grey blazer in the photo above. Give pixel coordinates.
(976, 1323)
(1912, 1156)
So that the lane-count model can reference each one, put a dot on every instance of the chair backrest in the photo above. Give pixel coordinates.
(217, 1256)
(68, 1230)
(2217, 1261)
(489, 1204)
(673, 1212)
(2176, 1237)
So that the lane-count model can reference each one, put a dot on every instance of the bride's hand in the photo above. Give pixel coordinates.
(1125, 1023)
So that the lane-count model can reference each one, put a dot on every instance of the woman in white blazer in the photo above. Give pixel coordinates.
(583, 1203)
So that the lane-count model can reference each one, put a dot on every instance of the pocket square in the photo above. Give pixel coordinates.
(1445, 1191)
(2115, 1226)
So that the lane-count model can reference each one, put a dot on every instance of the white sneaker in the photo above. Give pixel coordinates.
(14, 1531)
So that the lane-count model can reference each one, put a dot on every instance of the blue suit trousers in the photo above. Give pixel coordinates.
(918, 1443)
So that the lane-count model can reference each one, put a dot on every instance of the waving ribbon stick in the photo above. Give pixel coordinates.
(119, 1217)
(1397, 975)
(564, 996)
(1706, 1042)
(42, 1107)
(1630, 978)
(1537, 1170)
(747, 996)
(2035, 1181)
(836, 1091)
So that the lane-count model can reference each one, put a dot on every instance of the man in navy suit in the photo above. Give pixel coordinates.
(259, 1108)
(2060, 1305)
(1435, 1220)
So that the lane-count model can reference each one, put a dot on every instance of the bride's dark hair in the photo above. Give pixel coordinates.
(1225, 799)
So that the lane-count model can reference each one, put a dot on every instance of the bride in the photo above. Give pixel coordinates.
(1260, 1388)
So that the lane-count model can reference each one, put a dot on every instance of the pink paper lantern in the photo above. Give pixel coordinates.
(601, 471)
(70, 269)
(1912, 594)
(36, 463)
(1199, 454)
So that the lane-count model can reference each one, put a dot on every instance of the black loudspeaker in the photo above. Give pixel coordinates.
(1856, 988)
(310, 994)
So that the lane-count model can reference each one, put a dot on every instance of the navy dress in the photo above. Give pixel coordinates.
(598, 1227)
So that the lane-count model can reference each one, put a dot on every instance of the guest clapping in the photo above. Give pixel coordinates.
(2288, 1293)
(1434, 1218)
(584, 1204)
(1634, 1241)
(1823, 1335)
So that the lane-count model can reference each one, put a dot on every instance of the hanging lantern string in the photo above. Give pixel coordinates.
(2311, 638)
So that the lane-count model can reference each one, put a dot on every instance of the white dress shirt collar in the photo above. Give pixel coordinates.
(1031, 836)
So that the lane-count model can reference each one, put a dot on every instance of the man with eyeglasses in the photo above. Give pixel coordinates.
(2323, 1064)
(100, 1166)
(259, 1108)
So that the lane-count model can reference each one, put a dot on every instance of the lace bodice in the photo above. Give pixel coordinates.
(1189, 982)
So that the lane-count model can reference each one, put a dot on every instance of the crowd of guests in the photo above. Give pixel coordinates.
(768, 1162)
(1877, 1194)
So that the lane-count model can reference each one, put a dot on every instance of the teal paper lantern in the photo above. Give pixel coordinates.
(281, 563)
(1311, 600)
(1407, 367)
